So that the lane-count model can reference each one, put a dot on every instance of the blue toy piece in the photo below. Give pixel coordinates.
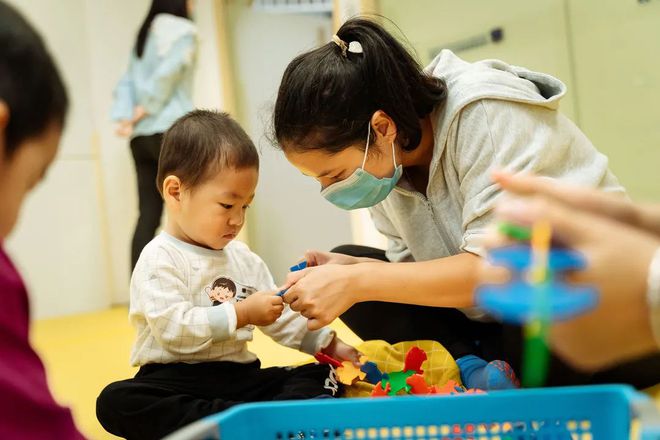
(514, 301)
(373, 373)
(296, 268)
(299, 266)
(518, 258)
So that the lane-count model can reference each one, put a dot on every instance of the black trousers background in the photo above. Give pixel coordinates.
(460, 336)
(164, 397)
(145, 150)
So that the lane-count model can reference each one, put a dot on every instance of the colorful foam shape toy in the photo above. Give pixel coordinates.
(397, 381)
(373, 374)
(514, 301)
(419, 386)
(414, 360)
(379, 391)
(349, 373)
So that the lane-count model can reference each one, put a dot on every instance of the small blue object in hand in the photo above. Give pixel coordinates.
(296, 268)
(299, 266)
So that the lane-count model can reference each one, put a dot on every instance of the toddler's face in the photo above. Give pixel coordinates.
(213, 213)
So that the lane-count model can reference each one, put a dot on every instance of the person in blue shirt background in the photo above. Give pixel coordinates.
(153, 93)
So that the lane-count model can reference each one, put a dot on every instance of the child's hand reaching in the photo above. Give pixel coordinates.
(341, 351)
(261, 308)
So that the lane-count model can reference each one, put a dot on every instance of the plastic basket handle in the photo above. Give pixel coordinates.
(204, 429)
(645, 410)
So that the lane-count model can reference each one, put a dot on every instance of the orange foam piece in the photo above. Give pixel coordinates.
(349, 373)
(451, 387)
(475, 391)
(379, 391)
(418, 385)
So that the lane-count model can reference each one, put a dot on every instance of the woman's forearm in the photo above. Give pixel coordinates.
(445, 282)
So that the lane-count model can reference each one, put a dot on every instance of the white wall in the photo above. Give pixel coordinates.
(58, 243)
(535, 32)
(289, 215)
(617, 59)
(72, 242)
(112, 32)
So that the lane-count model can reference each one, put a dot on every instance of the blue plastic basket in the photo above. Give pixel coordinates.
(582, 413)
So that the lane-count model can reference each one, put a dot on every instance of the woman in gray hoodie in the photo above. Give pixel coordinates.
(417, 147)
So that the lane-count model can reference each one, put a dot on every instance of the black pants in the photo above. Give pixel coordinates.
(394, 322)
(146, 150)
(164, 397)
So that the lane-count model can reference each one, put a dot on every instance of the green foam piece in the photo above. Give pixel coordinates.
(397, 381)
(516, 232)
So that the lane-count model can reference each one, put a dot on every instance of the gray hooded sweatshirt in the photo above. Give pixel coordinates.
(496, 116)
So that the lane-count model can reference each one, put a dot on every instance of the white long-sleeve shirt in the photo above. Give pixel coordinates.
(173, 291)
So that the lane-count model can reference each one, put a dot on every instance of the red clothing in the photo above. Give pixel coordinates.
(27, 408)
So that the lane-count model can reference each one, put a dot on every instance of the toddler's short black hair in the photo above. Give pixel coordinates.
(202, 143)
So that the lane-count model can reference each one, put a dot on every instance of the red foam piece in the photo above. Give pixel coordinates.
(414, 360)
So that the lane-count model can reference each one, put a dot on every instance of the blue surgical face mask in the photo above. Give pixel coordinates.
(362, 189)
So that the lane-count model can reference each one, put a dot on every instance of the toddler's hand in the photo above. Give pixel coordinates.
(341, 351)
(261, 308)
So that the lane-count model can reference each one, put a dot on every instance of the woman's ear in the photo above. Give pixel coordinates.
(172, 190)
(383, 127)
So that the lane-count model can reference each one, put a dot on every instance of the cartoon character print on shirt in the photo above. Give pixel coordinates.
(224, 289)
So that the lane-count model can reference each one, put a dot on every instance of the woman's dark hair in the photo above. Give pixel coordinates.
(173, 7)
(201, 143)
(30, 84)
(327, 96)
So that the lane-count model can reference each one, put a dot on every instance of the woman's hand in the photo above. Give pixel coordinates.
(618, 255)
(613, 206)
(320, 293)
(319, 258)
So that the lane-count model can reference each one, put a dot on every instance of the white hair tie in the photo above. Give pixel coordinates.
(354, 47)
